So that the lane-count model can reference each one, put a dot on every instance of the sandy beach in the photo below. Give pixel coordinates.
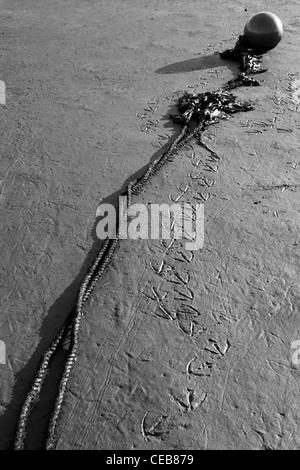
(177, 349)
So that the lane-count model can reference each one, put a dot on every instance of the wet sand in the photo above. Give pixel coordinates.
(215, 371)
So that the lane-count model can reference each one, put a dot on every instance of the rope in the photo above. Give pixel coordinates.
(202, 109)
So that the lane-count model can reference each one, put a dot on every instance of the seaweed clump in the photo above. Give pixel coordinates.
(249, 58)
(208, 108)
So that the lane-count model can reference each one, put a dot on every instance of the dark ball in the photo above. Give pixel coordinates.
(263, 31)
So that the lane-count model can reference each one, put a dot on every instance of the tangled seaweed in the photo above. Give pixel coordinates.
(249, 59)
(203, 109)
(208, 108)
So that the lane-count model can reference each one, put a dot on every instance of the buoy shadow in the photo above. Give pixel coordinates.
(197, 64)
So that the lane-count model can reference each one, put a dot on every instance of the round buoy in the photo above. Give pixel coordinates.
(263, 31)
